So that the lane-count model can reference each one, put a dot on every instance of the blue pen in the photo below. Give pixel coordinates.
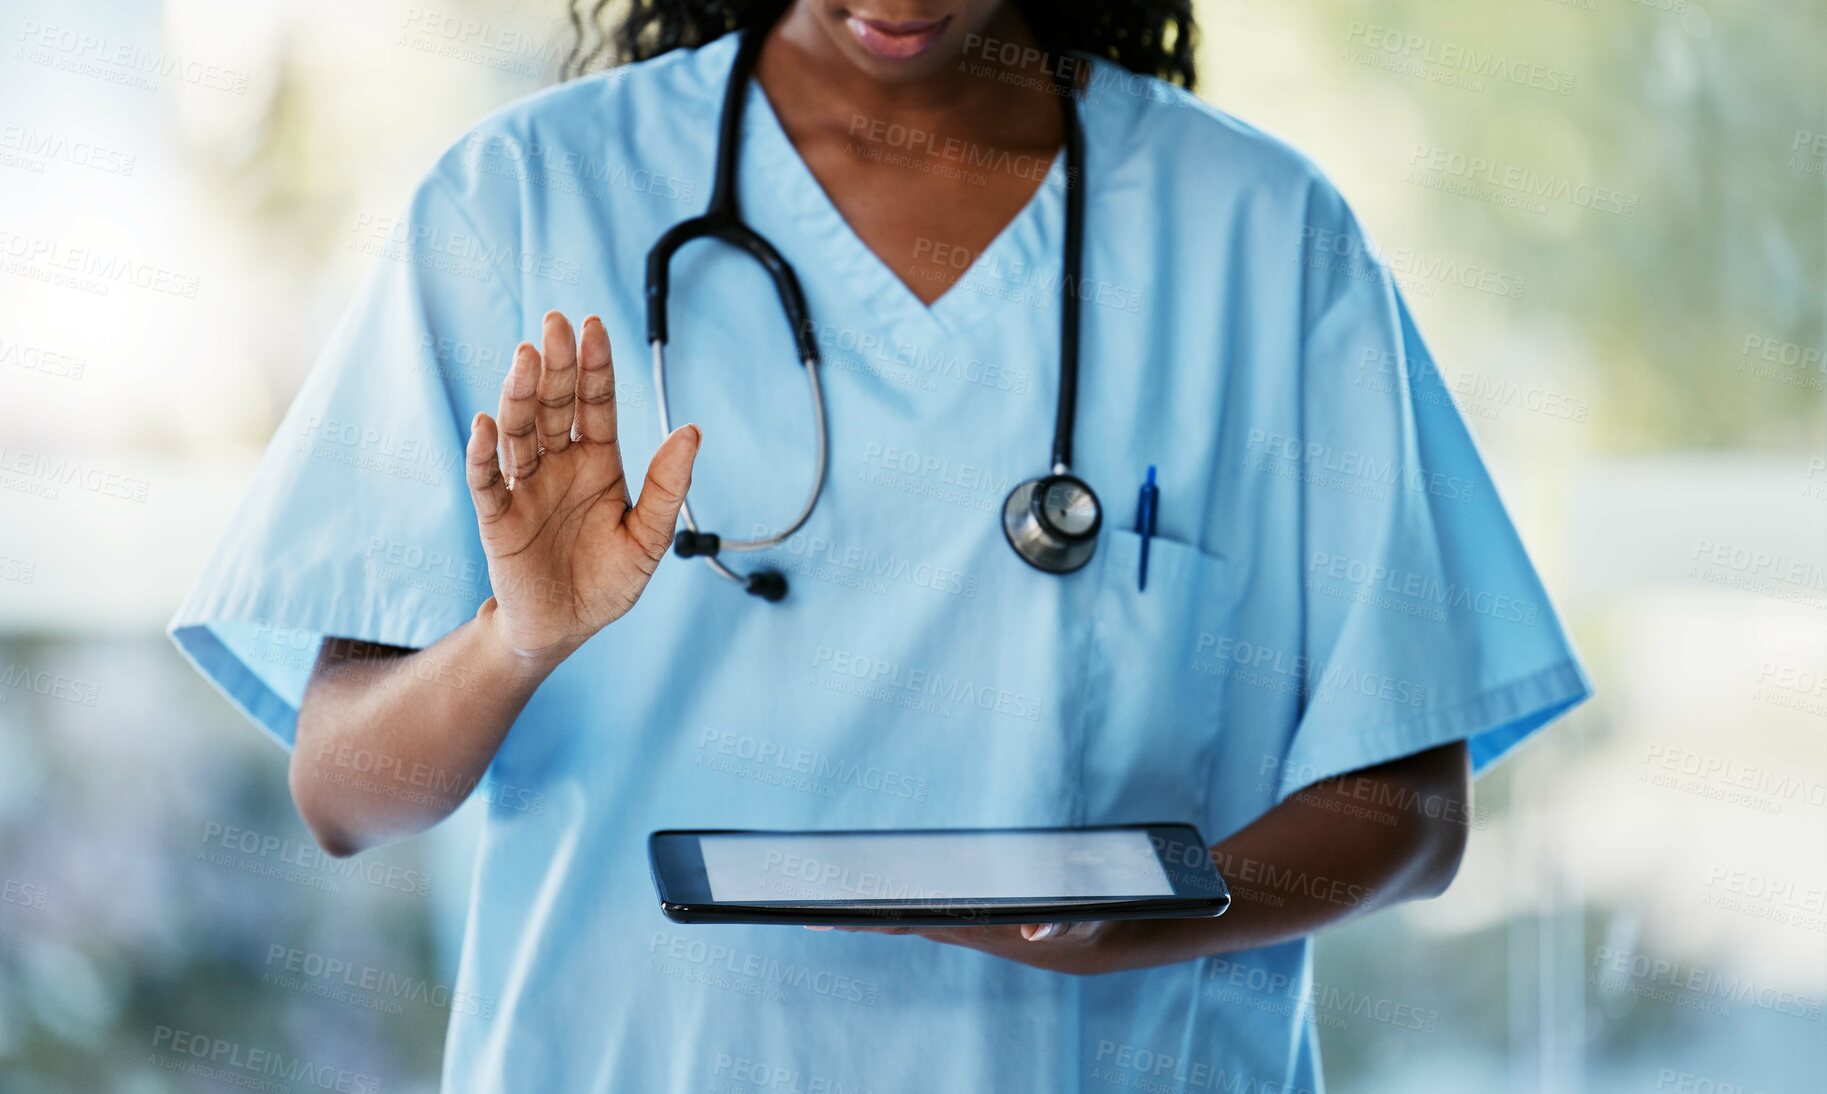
(1146, 504)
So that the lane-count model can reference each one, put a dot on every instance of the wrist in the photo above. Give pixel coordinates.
(534, 664)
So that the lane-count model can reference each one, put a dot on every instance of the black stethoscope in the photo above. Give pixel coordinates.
(1051, 521)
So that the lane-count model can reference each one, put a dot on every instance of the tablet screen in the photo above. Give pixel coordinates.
(933, 865)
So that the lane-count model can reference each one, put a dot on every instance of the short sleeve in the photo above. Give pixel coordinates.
(358, 523)
(1423, 619)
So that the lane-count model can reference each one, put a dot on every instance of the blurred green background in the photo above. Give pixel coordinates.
(1609, 216)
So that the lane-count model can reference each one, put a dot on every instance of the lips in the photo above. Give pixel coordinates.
(896, 41)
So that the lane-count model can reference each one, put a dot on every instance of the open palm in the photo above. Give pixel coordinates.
(567, 552)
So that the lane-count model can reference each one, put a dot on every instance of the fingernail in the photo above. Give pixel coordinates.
(1040, 932)
(810, 927)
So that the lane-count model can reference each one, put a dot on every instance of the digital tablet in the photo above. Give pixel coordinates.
(936, 877)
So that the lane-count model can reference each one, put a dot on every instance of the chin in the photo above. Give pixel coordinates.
(898, 42)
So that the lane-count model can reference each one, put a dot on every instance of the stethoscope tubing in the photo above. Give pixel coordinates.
(818, 469)
(1027, 527)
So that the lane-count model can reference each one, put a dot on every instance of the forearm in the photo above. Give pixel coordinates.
(1322, 858)
(390, 742)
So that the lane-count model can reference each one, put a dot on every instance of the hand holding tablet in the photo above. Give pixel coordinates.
(936, 877)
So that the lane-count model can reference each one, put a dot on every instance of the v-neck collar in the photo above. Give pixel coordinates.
(1022, 250)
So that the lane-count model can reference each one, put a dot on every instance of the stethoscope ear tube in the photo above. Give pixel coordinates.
(718, 226)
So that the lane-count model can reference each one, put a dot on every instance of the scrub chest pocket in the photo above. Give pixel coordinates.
(1153, 700)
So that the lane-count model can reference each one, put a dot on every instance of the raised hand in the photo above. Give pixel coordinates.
(567, 552)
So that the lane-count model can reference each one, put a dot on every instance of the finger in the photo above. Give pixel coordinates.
(653, 518)
(977, 938)
(1059, 932)
(519, 445)
(596, 385)
(487, 489)
(557, 383)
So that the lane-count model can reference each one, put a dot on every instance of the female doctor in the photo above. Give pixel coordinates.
(1024, 254)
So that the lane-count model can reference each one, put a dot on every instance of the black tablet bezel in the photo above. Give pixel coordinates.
(679, 877)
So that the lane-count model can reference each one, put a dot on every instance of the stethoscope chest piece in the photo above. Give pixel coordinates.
(1053, 522)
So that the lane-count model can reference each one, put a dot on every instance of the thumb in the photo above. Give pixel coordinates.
(655, 515)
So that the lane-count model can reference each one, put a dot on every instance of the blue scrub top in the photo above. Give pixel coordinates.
(1334, 582)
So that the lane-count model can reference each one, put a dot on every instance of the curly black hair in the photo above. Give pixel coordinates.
(1150, 37)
